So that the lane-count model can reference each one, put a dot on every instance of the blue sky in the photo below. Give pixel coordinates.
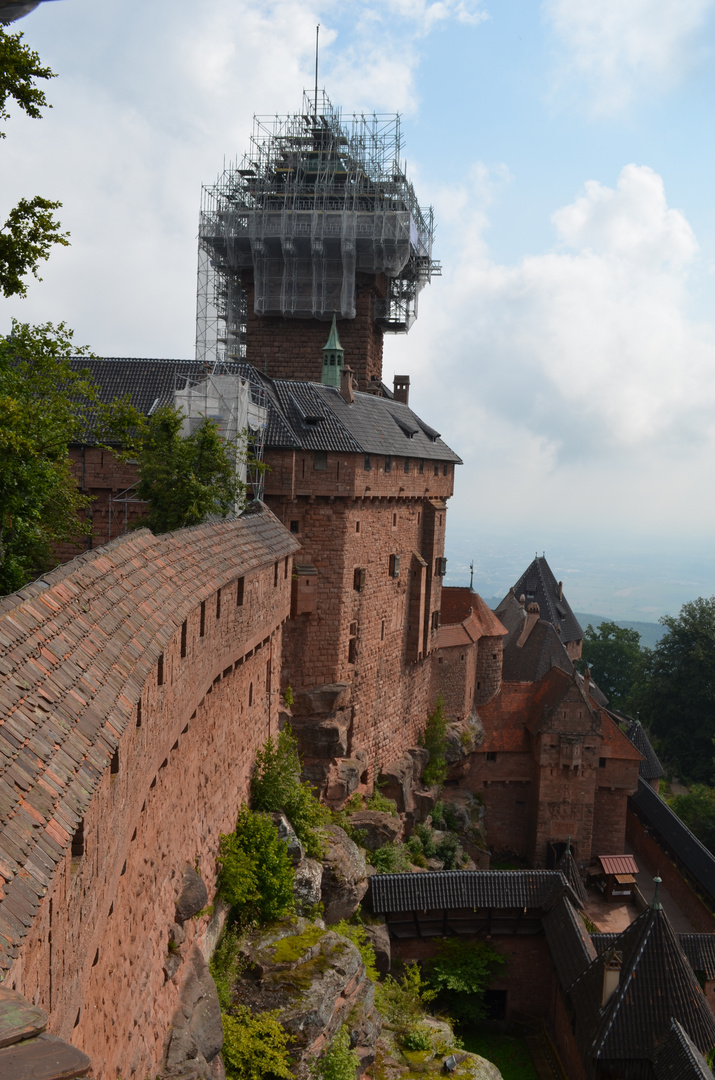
(568, 351)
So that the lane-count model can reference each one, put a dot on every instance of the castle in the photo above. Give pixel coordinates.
(140, 680)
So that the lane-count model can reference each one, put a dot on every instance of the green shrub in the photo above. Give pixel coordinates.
(426, 837)
(225, 966)
(255, 1045)
(288, 698)
(447, 849)
(256, 876)
(378, 801)
(434, 738)
(390, 859)
(460, 974)
(339, 1061)
(276, 785)
(444, 816)
(418, 1038)
(355, 932)
(417, 855)
(402, 1002)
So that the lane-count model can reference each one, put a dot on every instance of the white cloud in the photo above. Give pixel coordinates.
(574, 378)
(622, 47)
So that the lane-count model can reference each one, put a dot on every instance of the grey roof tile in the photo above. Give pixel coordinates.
(455, 889)
(675, 836)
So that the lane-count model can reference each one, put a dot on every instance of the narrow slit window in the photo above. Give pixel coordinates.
(139, 712)
(202, 622)
(250, 695)
(78, 841)
(285, 567)
(268, 677)
(407, 464)
(183, 639)
(275, 574)
(218, 603)
(160, 671)
(114, 764)
(240, 591)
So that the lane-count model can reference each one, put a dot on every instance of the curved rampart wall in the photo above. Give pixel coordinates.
(135, 690)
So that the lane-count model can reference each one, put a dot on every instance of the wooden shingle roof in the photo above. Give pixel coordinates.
(76, 647)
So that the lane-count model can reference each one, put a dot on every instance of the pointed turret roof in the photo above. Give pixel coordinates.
(333, 341)
(538, 584)
(678, 1058)
(656, 985)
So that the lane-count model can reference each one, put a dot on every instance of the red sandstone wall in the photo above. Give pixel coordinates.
(455, 677)
(489, 669)
(98, 473)
(292, 348)
(93, 957)
(391, 681)
(646, 846)
(609, 813)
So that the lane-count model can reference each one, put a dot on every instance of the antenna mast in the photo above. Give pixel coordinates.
(315, 106)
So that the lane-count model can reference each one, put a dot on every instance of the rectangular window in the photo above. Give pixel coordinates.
(407, 464)
(388, 464)
(382, 630)
(160, 671)
(394, 566)
(239, 592)
(491, 755)
(359, 576)
(394, 521)
(445, 469)
(202, 620)
(436, 468)
(435, 620)
(602, 763)
(422, 465)
(275, 574)
(295, 526)
(357, 526)
(440, 567)
(352, 650)
(320, 460)
(285, 567)
(218, 603)
(183, 638)
(367, 464)
(114, 764)
(139, 712)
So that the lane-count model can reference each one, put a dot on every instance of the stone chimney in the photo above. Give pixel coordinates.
(532, 617)
(522, 600)
(612, 963)
(401, 388)
(346, 385)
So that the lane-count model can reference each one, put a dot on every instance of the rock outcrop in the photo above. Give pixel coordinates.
(196, 1035)
(376, 828)
(344, 876)
(317, 979)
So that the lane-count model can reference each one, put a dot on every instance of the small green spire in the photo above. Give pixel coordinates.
(333, 358)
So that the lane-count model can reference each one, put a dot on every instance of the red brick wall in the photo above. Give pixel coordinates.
(292, 348)
(609, 817)
(96, 949)
(455, 678)
(646, 846)
(100, 474)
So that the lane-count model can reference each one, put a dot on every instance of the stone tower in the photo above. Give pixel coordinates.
(318, 223)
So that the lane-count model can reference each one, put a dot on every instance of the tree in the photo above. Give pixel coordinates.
(460, 974)
(697, 811)
(676, 697)
(615, 657)
(182, 480)
(30, 229)
(43, 406)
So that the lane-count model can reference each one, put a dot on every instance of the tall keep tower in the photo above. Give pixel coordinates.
(318, 220)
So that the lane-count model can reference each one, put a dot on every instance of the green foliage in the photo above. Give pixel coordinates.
(183, 480)
(225, 966)
(390, 859)
(460, 974)
(339, 1061)
(418, 1038)
(426, 837)
(276, 785)
(30, 229)
(288, 698)
(676, 696)
(291, 948)
(417, 855)
(402, 1002)
(43, 405)
(355, 932)
(447, 849)
(255, 1045)
(256, 876)
(435, 740)
(444, 816)
(697, 811)
(377, 801)
(615, 657)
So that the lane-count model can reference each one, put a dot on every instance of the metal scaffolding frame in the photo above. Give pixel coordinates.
(318, 198)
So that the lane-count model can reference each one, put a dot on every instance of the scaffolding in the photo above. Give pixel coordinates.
(318, 198)
(237, 406)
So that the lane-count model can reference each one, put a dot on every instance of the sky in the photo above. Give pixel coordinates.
(567, 352)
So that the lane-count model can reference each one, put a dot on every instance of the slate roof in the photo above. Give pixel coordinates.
(567, 865)
(542, 650)
(650, 767)
(302, 415)
(455, 889)
(699, 949)
(76, 647)
(678, 1058)
(538, 583)
(656, 984)
(675, 836)
(571, 948)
